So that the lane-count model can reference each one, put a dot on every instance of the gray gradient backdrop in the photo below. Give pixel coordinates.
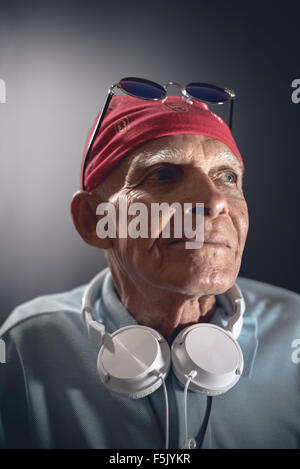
(59, 58)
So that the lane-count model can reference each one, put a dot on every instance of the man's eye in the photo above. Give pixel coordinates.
(229, 176)
(162, 174)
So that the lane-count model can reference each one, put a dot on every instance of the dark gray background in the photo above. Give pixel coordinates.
(59, 58)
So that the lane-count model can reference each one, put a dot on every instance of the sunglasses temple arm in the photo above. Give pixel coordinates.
(231, 113)
(95, 133)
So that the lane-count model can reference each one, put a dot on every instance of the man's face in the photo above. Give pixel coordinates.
(183, 168)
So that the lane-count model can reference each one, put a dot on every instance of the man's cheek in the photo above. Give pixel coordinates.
(133, 252)
(242, 224)
(245, 225)
(123, 251)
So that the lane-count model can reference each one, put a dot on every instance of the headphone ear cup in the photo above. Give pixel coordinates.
(133, 362)
(210, 351)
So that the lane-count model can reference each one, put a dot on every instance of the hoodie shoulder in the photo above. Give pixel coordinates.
(69, 301)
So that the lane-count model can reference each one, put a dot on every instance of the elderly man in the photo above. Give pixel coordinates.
(153, 151)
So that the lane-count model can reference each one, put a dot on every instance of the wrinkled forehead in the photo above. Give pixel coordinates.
(184, 149)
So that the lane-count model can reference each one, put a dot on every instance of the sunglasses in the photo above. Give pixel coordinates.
(149, 90)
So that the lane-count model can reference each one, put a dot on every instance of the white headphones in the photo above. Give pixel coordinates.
(135, 360)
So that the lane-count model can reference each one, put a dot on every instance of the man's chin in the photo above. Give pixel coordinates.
(194, 282)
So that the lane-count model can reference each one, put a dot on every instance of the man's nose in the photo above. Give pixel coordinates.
(204, 191)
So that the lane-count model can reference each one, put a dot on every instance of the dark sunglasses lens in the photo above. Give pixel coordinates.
(204, 93)
(143, 88)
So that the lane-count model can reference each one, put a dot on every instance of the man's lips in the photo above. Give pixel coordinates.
(216, 240)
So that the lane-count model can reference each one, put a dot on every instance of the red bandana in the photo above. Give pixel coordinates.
(131, 122)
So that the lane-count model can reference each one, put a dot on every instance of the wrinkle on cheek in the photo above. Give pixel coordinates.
(244, 217)
(236, 195)
(238, 212)
(242, 230)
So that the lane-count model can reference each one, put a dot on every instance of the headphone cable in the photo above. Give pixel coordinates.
(161, 376)
(205, 421)
(167, 413)
(190, 443)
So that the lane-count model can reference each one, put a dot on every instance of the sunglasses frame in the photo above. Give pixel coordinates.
(188, 97)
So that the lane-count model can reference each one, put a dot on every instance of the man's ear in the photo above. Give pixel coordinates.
(83, 211)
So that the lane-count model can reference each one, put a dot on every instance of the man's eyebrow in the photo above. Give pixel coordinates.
(146, 159)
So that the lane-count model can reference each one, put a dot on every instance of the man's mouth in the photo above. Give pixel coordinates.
(213, 240)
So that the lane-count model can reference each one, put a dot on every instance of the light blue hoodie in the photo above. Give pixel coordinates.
(52, 397)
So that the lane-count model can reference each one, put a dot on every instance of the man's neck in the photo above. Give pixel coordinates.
(163, 310)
